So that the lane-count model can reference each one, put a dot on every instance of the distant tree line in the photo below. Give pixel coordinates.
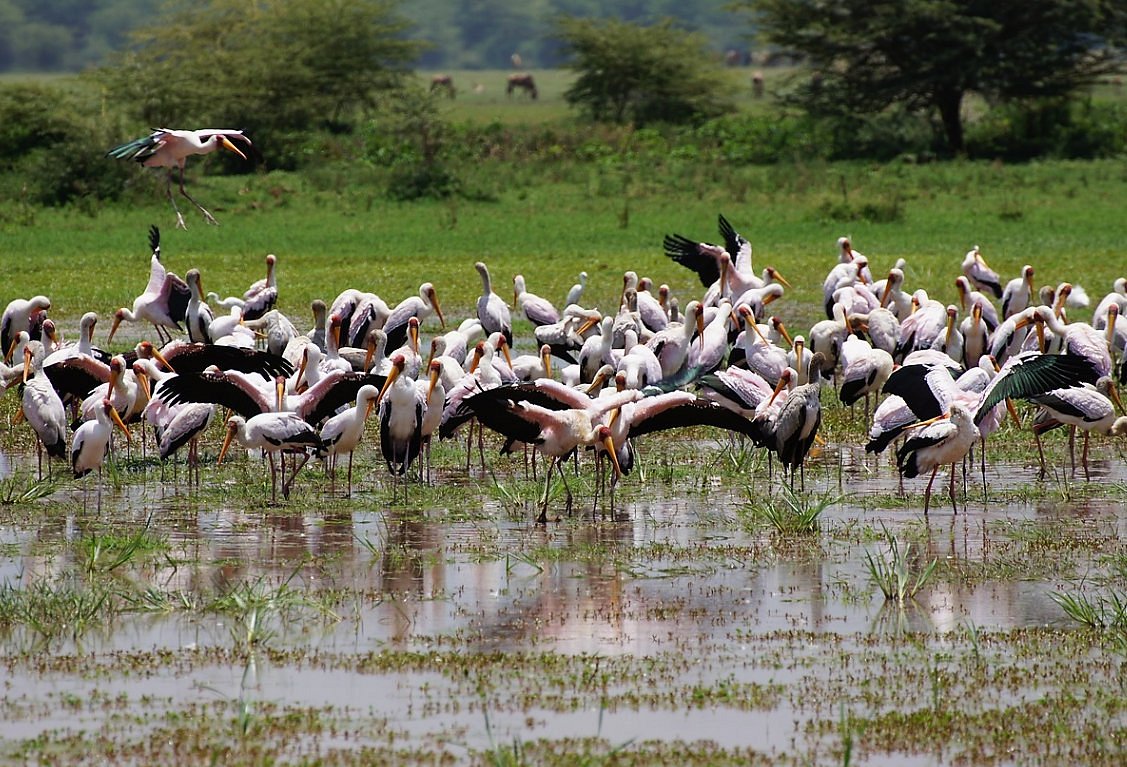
(70, 35)
(66, 35)
(320, 81)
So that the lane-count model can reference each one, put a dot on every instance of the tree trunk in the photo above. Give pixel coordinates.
(950, 112)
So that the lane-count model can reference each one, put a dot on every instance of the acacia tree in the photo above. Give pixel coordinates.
(640, 74)
(927, 55)
(274, 67)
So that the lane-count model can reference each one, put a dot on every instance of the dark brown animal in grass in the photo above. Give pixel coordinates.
(444, 82)
(523, 81)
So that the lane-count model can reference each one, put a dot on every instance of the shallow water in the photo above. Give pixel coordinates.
(672, 574)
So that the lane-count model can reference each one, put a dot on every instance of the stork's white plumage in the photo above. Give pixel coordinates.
(272, 433)
(980, 274)
(168, 148)
(164, 301)
(262, 295)
(43, 408)
(342, 433)
(491, 308)
(22, 314)
(420, 307)
(92, 438)
(536, 309)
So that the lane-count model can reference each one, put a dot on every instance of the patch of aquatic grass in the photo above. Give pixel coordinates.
(1104, 613)
(21, 488)
(55, 610)
(899, 573)
(154, 600)
(257, 606)
(849, 730)
(107, 552)
(741, 456)
(790, 514)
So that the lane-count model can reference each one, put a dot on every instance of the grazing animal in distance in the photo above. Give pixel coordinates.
(522, 81)
(444, 83)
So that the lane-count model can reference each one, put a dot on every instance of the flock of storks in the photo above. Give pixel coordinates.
(596, 381)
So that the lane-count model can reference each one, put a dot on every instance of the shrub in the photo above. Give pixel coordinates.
(52, 147)
(1060, 128)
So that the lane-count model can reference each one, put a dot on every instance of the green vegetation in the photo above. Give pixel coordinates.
(156, 621)
(928, 55)
(1106, 614)
(626, 73)
(899, 574)
(193, 67)
(791, 514)
(67, 36)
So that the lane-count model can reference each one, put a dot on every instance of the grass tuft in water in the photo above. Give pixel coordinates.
(1106, 613)
(54, 610)
(19, 489)
(106, 553)
(897, 573)
(791, 514)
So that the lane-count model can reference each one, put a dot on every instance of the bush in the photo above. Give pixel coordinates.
(1059, 129)
(53, 145)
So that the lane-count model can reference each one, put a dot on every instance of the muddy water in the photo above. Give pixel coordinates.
(672, 575)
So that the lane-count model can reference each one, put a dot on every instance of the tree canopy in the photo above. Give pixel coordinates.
(630, 73)
(276, 66)
(929, 54)
(69, 35)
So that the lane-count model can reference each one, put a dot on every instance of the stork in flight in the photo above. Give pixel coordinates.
(167, 148)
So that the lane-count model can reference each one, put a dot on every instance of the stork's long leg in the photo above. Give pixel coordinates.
(567, 489)
(273, 478)
(951, 489)
(927, 493)
(286, 487)
(210, 218)
(543, 518)
(1041, 453)
(982, 459)
(168, 191)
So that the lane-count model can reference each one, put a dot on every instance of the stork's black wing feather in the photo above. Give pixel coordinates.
(342, 393)
(179, 294)
(1030, 373)
(1057, 403)
(71, 381)
(497, 409)
(154, 240)
(529, 392)
(260, 303)
(687, 253)
(734, 242)
(909, 382)
(208, 387)
(196, 358)
(698, 413)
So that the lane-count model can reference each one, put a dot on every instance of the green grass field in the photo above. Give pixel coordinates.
(1064, 218)
(481, 98)
(333, 227)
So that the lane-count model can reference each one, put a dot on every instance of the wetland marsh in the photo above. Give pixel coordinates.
(176, 623)
(707, 619)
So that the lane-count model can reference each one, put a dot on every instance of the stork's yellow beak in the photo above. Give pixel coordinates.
(231, 147)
